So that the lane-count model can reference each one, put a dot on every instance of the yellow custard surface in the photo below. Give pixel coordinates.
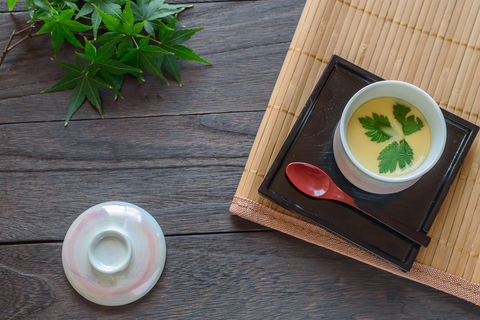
(366, 151)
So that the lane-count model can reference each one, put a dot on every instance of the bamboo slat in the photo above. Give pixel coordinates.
(434, 44)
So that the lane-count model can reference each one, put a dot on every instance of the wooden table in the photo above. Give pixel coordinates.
(178, 152)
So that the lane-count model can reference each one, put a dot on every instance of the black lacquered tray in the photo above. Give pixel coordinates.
(311, 141)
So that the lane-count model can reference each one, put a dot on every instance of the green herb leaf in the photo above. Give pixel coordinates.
(393, 154)
(375, 125)
(409, 125)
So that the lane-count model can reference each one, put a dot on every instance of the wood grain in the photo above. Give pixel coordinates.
(181, 169)
(19, 5)
(27, 294)
(179, 153)
(246, 61)
(32, 146)
(242, 276)
(184, 200)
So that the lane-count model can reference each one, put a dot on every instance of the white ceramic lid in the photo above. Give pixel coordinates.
(114, 253)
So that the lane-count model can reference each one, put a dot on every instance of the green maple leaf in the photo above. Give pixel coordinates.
(110, 7)
(101, 58)
(180, 36)
(84, 82)
(184, 53)
(171, 40)
(61, 27)
(11, 3)
(375, 125)
(86, 9)
(145, 56)
(153, 11)
(123, 23)
(123, 30)
(393, 154)
(37, 9)
(141, 35)
(171, 64)
(43, 5)
(409, 125)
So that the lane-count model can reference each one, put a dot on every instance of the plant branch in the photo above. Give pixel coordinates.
(9, 47)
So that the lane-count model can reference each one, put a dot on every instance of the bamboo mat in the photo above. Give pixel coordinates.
(433, 44)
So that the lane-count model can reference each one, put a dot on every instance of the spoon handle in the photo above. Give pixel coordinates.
(388, 221)
(406, 231)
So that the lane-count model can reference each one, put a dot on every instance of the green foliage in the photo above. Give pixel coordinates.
(61, 27)
(11, 3)
(121, 38)
(375, 126)
(84, 82)
(152, 13)
(409, 124)
(395, 153)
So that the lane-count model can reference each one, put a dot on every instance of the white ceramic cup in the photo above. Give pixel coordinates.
(368, 180)
(110, 251)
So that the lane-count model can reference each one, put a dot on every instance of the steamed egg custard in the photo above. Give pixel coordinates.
(389, 136)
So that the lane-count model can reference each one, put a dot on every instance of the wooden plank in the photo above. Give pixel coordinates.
(183, 170)
(19, 5)
(246, 61)
(185, 200)
(31, 146)
(244, 276)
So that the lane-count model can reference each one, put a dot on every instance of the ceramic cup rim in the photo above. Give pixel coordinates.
(429, 109)
(121, 265)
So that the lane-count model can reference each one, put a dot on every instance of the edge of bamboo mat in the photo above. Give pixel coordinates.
(434, 44)
(311, 233)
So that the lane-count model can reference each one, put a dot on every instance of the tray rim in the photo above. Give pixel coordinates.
(470, 129)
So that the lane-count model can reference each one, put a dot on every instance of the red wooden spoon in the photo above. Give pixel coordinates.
(316, 183)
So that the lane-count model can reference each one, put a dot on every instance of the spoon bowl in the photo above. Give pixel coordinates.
(309, 179)
(314, 182)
